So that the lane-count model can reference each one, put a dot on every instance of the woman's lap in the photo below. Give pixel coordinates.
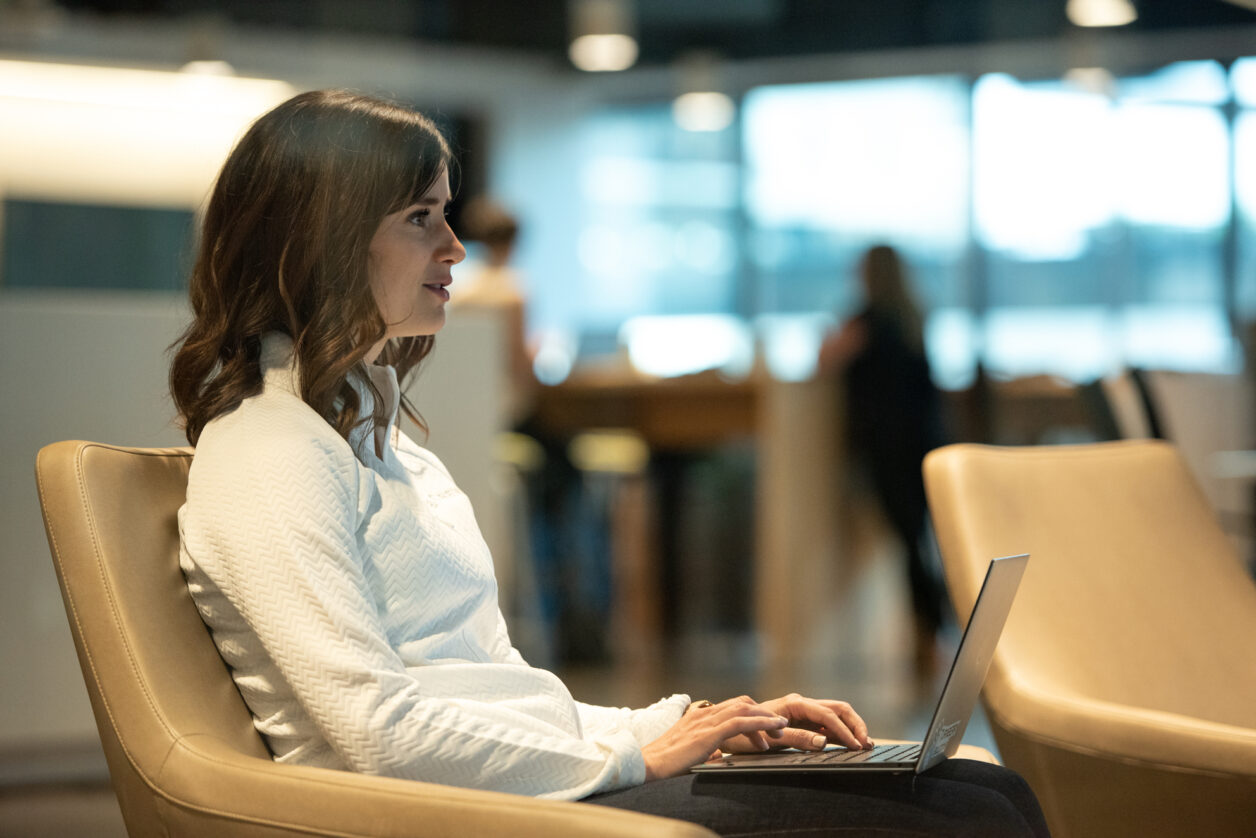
(959, 797)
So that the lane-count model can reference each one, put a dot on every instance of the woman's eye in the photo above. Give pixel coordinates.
(419, 217)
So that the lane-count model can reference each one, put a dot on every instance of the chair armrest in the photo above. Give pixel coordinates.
(1066, 720)
(202, 771)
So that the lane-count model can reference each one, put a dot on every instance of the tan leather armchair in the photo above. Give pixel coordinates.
(183, 755)
(1124, 687)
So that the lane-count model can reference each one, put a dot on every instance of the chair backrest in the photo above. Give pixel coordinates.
(1133, 594)
(152, 671)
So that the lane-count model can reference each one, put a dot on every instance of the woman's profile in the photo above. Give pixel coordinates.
(341, 570)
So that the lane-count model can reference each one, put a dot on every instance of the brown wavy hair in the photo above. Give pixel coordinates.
(284, 248)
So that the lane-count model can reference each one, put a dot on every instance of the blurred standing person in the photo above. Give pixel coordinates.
(893, 418)
(497, 287)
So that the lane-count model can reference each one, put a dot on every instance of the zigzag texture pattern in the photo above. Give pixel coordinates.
(354, 599)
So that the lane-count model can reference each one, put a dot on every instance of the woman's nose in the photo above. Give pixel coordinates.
(454, 251)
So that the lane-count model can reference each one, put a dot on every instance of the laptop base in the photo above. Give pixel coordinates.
(900, 758)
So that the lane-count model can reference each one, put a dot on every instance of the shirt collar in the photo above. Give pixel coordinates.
(279, 363)
(279, 370)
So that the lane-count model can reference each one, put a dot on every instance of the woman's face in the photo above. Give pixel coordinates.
(411, 255)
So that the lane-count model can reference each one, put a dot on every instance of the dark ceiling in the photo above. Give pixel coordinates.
(666, 28)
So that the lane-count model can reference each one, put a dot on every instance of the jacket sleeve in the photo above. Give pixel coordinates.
(277, 529)
(646, 723)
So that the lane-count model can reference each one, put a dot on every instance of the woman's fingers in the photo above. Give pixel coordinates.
(851, 721)
(702, 730)
(840, 721)
(742, 724)
(742, 708)
(745, 725)
(804, 740)
(837, 720)
(842, 724)
(752, 725)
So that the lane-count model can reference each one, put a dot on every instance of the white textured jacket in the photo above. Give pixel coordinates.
(354, 599)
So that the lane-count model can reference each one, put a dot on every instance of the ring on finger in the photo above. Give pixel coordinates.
(699, 704)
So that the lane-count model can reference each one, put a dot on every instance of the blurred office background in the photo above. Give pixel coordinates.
(1072, 184)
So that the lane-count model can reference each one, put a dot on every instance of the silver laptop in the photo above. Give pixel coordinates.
(955, 705)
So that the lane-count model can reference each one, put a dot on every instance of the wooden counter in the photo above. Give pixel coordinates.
(676, 414)
(793, 427)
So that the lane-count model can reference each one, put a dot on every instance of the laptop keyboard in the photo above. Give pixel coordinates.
(909, 752)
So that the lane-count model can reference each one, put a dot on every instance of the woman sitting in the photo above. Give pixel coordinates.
(340, 569)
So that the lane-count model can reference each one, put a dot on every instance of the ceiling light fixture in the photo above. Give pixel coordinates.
(602, 35)
(701, 105)
(703, 110)
(1096, 80)
(203, 87)
(118, 135)
(1101, 12)
(207, 67)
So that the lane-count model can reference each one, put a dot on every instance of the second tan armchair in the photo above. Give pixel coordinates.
(1124, 687)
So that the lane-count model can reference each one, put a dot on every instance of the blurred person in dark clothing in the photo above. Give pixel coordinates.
(893, 418)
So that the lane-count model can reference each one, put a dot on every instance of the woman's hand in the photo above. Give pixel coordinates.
(700, 732)
(813, 724)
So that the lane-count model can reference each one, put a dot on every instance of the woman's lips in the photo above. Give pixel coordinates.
(439, 290)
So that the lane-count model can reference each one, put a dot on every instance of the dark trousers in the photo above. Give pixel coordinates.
(957, 798)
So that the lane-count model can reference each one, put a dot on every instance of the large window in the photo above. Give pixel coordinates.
(1102, 207)
(660, 235)
(1243, 79)
(658, 250)
(1063, 226)
(834, 168)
